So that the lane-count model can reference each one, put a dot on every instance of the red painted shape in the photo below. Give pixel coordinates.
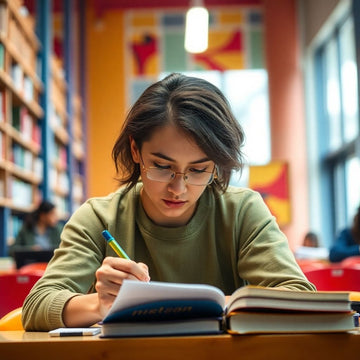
(142, 51)
(234, 44)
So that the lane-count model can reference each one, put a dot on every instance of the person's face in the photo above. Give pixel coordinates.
(50, 218)
(308, 242)
(172, 203)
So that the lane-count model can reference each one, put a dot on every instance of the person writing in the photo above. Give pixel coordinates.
(348, 241)
(40, 231)
(175, 214)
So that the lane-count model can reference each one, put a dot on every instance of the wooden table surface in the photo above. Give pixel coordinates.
(37, 345)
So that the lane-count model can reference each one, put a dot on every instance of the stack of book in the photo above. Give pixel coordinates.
(272, 310)
(158, 308)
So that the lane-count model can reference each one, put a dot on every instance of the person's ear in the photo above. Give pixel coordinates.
(135, 153)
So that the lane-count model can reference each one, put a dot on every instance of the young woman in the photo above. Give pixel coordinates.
(41, 230)
(180, 223)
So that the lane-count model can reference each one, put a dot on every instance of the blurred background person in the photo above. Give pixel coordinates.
(311, 249)
(347, 242)
(40, 231)
(311, 240)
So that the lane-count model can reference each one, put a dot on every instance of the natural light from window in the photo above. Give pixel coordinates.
(247, 92)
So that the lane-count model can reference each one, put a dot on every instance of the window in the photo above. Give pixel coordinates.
(247, 93)
(337, 126)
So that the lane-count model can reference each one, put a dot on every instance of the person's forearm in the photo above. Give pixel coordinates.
(82, 311)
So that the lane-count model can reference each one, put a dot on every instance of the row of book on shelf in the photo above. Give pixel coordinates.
(19, 191)
(160, 308)
(29, 129)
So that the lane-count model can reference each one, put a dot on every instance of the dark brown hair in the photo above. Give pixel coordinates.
(196, 107)
(33, 218)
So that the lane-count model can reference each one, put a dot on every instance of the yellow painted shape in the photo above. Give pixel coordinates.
(141, 19)
(225, 18)
(280, 208)
(262, 175)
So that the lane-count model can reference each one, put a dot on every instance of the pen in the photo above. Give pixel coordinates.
(75, 331)
(115, 246)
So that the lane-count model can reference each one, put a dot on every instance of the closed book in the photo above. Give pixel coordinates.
(249, 322)
(197, 326)
(254, 303)
(255, 297)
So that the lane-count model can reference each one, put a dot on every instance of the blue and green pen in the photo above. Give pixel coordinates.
(115, 246)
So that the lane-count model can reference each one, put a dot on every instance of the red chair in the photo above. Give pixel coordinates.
(335, 278)
(33, 268)
(13, 289)
(309, 264)
(351, 262)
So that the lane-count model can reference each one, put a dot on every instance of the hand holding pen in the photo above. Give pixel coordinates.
(131, 270)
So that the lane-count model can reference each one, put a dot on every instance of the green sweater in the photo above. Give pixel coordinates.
(231, 240)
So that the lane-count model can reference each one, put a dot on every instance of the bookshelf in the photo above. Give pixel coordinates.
(20, 118)
(78, 153)
(59, 123)
(42, 144)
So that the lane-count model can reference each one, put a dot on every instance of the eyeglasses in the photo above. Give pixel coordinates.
(191, 177)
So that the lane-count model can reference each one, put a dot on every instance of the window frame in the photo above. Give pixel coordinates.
(332, 211)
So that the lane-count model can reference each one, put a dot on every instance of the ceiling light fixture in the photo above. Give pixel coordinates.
(196, 28)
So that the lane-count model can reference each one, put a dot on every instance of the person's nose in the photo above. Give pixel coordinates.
(178, 185)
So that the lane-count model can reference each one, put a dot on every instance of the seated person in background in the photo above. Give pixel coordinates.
(40, 231)
(311, 240)
(310, 248)
(348, 241)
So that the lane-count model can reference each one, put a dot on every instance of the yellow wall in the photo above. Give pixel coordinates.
(105, 97)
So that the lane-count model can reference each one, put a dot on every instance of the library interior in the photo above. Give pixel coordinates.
(70, 70)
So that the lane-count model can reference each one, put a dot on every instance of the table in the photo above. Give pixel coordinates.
(37, 345)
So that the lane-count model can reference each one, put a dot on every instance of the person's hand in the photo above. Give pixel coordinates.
(111, 275)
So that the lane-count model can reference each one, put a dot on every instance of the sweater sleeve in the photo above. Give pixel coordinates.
(69, 273)
(264, 256)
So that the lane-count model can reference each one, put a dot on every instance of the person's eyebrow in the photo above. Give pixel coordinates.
(162, 156)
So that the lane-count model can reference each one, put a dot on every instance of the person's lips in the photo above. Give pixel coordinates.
(174, 203)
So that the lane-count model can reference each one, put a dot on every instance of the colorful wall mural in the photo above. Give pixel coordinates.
(154, 44)
(272, 182)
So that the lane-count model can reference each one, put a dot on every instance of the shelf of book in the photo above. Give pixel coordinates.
(42, 142)
(78, 153)
(59, 124)
(20, 116)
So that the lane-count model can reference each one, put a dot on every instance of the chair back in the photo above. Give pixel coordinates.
(14, 288)
(309, 264)
(351, 262)
(335, 278)
(37, 268)
(12, 320)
